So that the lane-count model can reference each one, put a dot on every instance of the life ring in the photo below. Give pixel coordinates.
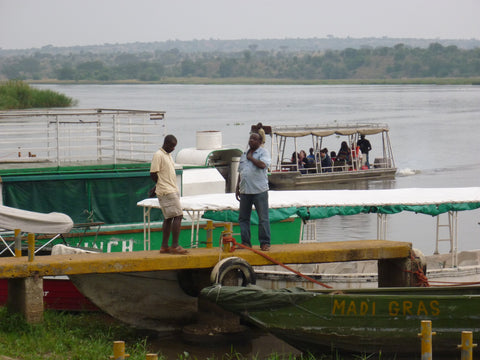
(233, 266)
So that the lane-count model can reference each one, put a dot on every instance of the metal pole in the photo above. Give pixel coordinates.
(119, 351)
(426, 337)
(467, 345)
(209, 228)
(18, 243)
(31, 247)
(227, 233)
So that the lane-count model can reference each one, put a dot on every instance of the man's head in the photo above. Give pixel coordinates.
(255, 141)
(169, 143)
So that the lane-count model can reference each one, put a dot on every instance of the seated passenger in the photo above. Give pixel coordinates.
(343, 156)
(326, 161)
(302, 161)
(333, 156)
(295, 160)
(311, 161)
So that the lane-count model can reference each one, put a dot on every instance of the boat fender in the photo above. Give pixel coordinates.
(233, 266)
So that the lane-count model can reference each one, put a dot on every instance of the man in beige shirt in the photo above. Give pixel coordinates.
(162, 172)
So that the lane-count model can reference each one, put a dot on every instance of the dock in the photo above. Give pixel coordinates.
(26, 274)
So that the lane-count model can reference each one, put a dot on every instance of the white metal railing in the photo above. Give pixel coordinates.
(71, 135)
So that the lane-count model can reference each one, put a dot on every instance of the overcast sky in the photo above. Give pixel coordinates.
(36, 23)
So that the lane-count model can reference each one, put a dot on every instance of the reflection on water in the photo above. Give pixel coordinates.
(253, 344)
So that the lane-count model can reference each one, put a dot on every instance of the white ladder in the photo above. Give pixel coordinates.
(451, 225)
(308, 231)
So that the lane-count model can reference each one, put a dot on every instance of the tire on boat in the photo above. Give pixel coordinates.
(230, 270)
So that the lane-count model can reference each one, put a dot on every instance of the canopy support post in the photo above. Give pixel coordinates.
(381, 226)
(146, 228)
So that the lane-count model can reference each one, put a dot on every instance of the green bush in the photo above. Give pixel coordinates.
(16, 94)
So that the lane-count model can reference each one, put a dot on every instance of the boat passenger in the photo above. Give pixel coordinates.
(294, 162)
(311, 161)
(326, 162)
(333, 156)
(365, 148)
(261, 132)
(302, 161)
(343, 156)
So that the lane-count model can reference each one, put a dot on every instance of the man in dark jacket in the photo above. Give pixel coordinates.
(365, 148)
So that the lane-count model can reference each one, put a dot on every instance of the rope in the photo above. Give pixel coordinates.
(234, 244)
(422, 280)
(454, 283)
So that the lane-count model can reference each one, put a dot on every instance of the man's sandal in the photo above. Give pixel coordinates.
(178, 250)
(164, 250)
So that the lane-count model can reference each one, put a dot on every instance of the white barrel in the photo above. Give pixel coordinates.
(209, 140)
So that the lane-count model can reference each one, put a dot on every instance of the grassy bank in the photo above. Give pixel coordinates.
(83, 336)
(66, 336)
(257, 81)
(19, 95)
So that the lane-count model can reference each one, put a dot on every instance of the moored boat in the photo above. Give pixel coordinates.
(356, 321)
(283, 204)
(59, 292)
(93, 164)
(289, 172)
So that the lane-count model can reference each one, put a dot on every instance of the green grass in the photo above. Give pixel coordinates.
(90, 336)
(19, 95)
(86, 336)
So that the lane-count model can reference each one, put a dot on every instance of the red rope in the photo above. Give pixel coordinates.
(422, 280)
(229, 239)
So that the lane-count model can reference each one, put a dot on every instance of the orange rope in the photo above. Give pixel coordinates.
(422, 280)
(229, 239)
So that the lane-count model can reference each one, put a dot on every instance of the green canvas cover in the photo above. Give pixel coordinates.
(110, 197)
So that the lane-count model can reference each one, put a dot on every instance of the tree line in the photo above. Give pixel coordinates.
(397, 62)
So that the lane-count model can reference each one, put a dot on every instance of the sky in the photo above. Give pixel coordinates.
(37, 23)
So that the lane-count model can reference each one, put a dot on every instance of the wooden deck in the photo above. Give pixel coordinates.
(20, 267)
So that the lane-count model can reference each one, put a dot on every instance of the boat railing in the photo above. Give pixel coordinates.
(67, 136)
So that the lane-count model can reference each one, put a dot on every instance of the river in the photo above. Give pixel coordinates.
(434, 132)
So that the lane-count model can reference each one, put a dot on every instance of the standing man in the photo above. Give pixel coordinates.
(261, 131)
(365, 147)
(162, 172)
(252, 189)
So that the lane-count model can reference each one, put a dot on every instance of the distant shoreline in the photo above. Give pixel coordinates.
(255, 81)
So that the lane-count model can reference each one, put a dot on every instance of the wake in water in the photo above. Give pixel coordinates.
(407, 172)
(457, 169)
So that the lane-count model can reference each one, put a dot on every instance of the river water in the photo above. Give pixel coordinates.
(434, 132)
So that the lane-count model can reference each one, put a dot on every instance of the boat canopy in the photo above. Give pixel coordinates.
(319, 204)
(328, 130)
(34, 222)
(285, 139)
